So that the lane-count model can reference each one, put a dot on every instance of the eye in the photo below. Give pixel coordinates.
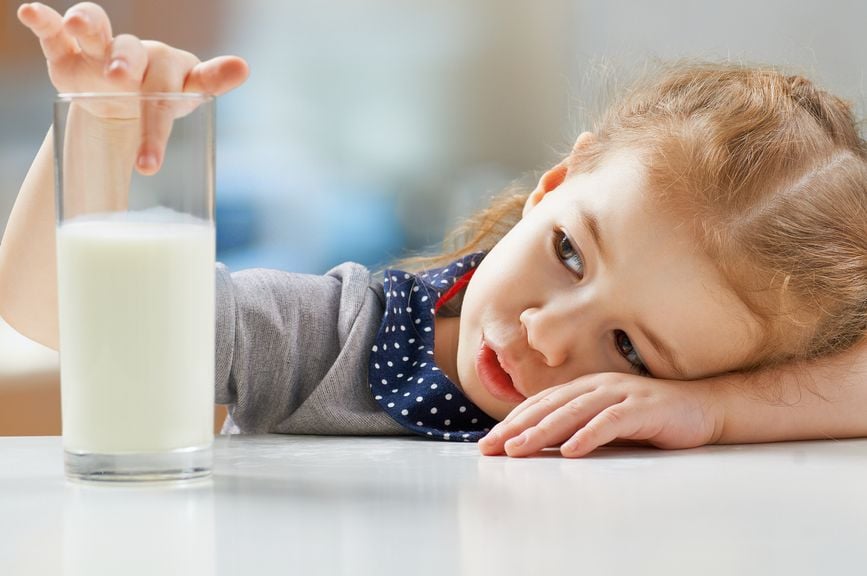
(627, 350)
(568, 255)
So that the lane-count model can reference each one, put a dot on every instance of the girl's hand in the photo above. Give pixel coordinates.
(596, 409)
(84, 56)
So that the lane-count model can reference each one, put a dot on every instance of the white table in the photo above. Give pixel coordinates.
(320, 505)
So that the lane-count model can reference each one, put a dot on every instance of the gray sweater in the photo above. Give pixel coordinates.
(292, 351)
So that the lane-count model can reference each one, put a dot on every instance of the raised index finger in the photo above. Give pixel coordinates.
(47, 25)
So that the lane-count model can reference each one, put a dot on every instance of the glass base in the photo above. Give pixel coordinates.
(182, 464)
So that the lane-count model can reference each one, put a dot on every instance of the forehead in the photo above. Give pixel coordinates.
(654, 270)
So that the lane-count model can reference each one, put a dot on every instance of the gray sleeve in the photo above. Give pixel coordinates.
(292, 351)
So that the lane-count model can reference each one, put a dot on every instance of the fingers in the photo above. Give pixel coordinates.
(608, 425)
(557, 426)
(217, 76)
(89, 25)
(597, 409)
(513, 424)
(176, 72)
(518, 433)
(127, 60)
(47, 25)
(166, 70)
(157, 117)
(530, 402)
(561, 423)
(83, 57)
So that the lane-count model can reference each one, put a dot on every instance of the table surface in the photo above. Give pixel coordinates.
(323, 505)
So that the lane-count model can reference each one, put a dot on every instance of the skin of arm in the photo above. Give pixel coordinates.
(28, 271)
(28, 275)
(825, 398)
(84, 56)
(820, 399)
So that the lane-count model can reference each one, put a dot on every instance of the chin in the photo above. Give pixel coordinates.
(498, 415)
(489, 405)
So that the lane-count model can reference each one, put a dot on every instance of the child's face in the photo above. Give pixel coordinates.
(550, 303)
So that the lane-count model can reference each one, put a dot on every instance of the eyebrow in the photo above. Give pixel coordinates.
(591, 222)
(663, 351)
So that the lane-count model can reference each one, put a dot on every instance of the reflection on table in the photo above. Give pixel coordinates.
(323, 505)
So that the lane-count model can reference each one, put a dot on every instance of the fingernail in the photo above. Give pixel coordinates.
(147, 161)
(490, 438)
(78, 15)
(117, 65)
(34, 6)
(568, 446)
(518, 440)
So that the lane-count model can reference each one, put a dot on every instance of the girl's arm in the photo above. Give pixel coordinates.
(83, 56)
(28, 274)
(825, 398)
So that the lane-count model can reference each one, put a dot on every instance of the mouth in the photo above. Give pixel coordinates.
(494, 377)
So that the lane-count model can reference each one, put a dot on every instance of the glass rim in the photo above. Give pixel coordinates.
(182, 96)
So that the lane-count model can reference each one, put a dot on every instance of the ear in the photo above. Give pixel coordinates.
(551, 179)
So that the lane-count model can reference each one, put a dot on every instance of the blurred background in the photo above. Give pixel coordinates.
(367, 129)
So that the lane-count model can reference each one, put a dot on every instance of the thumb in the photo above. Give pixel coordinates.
(217, 75)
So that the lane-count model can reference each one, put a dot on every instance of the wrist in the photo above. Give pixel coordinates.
(97, 126)
(117, 139)
(715, 410)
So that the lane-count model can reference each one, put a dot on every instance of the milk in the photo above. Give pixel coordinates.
(136, 303)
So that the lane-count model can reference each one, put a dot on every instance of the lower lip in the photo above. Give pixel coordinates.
(495, 380)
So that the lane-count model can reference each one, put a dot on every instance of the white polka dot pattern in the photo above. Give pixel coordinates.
(402, 376)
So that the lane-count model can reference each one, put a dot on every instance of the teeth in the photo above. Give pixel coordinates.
(500, 361)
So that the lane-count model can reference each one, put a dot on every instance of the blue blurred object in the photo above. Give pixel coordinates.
(236, 224)
(309, 231)
(363, 227)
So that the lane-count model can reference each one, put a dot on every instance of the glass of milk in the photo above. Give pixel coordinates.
(135, 258)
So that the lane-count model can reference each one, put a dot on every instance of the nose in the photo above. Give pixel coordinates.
(550, 333)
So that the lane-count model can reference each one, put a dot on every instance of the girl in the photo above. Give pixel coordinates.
(710, 229)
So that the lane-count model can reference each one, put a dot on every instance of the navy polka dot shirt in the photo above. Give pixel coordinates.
(403, 376)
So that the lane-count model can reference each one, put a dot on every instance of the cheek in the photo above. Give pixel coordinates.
(469, 342)
(477, 293)
(469, 335)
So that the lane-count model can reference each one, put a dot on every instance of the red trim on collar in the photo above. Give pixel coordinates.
(456, 287)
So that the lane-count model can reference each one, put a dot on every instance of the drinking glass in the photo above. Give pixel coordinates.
(135, 263)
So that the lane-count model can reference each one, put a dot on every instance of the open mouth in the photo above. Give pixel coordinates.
(494, 378)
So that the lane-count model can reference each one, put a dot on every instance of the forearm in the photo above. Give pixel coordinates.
(28, 274)
(825, 398)
(28, 259)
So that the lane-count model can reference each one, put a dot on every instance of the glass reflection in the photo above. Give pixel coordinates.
(143, 529)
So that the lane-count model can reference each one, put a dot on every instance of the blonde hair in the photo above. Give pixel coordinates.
(768, 172)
